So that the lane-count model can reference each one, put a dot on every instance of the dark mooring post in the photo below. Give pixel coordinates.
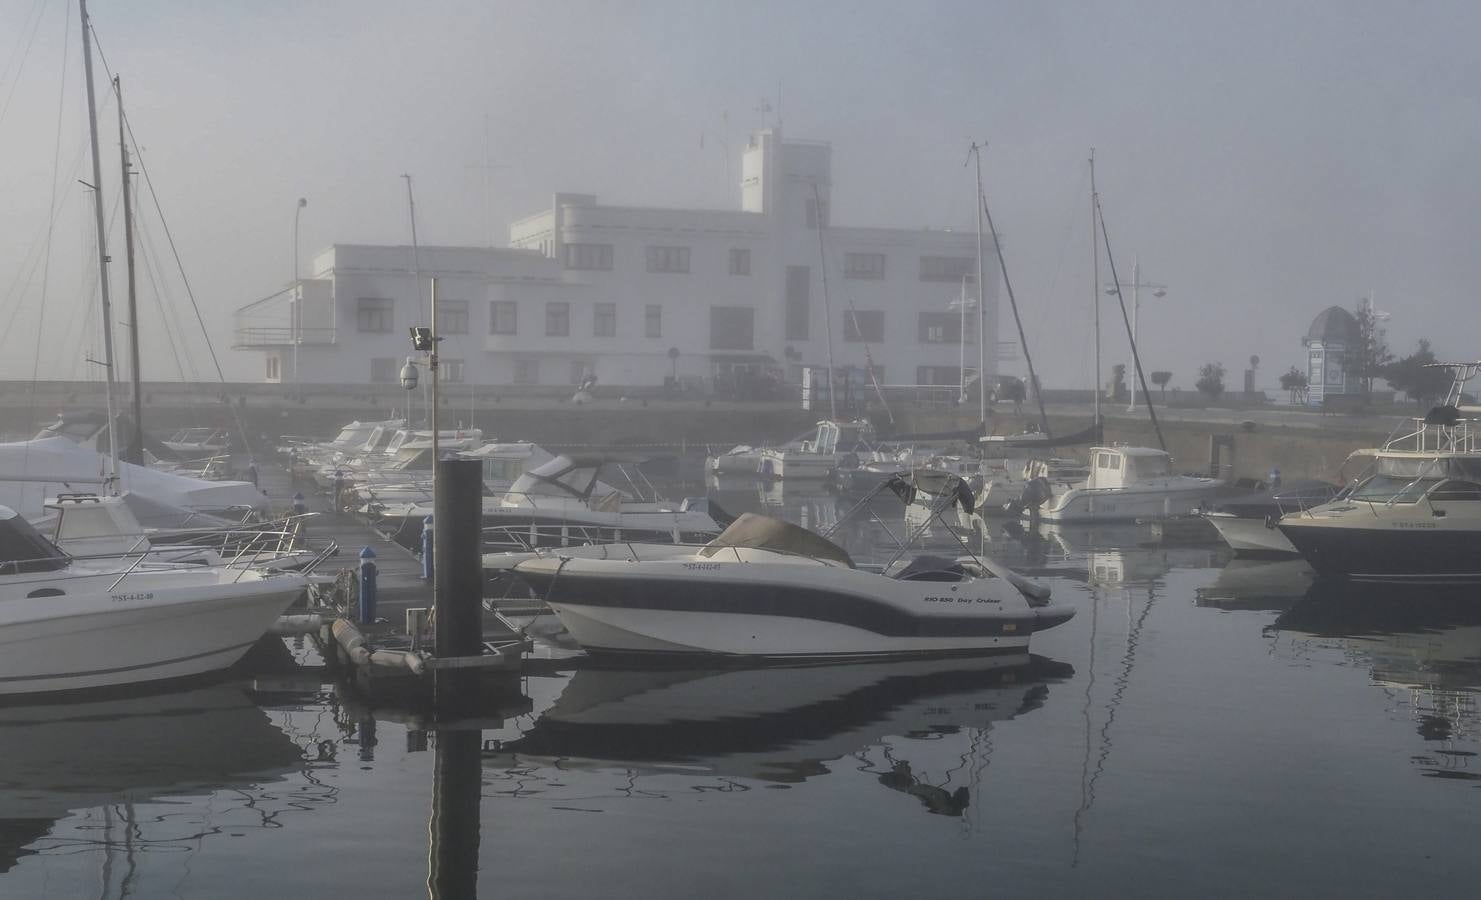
(456, 553)
(452, 860)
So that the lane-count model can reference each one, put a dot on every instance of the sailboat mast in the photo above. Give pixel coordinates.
(827, 309)
(1095, 289)
(981, 301)
(135, 453)
(97, 186)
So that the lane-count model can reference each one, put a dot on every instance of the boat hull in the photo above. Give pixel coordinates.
(1111, 505)
(1252, 537)
(110, 639)
(1387, 550)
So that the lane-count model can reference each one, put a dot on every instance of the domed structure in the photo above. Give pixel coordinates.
(1331, 342)
(1334, 324)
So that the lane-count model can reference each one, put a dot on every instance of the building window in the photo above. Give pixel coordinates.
(373, 315)
(799, 314)
(503, 317)
(938, 375)
(588, 256)
(273, 373)
(384, 370)
(948, 268)
(452, 316)
(557, 319)
(740, 260)
(863, 265)
(863, 325)
(604, 320)
(732, 328)
(943, 328)
(526, 370)
(580, 369)
(668, 259)
(653, 320)
(811, 214)
(450, 371)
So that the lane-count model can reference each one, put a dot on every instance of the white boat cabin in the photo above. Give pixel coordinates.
(844, 437)
(1122, 467)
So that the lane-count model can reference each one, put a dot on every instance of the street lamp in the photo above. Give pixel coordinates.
(1114, 289)
(296, 313)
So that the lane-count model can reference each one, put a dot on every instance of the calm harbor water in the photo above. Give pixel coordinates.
(1202, 726)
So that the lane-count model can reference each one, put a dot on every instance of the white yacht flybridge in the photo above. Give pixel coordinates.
(1128, 483)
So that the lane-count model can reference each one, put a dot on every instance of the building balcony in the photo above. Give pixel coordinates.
(267, 337)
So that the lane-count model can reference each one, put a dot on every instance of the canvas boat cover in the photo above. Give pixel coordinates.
(765, 533)
(32, 471)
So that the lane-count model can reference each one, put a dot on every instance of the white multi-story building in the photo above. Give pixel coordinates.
(636, 295)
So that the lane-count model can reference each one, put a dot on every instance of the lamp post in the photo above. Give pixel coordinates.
(296, 313)
(1158, 290)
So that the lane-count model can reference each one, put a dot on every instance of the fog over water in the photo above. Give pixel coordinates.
(1265, 160)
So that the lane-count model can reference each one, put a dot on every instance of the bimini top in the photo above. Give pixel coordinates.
(23, 549)
(766, 533)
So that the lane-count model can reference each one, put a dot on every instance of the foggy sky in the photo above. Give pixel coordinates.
(1263, 160)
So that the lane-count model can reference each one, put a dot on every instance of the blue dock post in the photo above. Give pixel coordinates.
(367, 586)
(299, 506)
(427, 543)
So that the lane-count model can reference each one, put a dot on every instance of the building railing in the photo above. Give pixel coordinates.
(282, 336)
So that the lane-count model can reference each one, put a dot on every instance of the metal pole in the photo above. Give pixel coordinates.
(1095, 288)
(136, 436)
(457, 513)
(97, 186)
(962, 343)
(296, 323)
(981, 300)
(432, 368)
(416, 272)
(827, 309)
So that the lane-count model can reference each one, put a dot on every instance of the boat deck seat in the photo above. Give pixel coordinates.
(927, 567)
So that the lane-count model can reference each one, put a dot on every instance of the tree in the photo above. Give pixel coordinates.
(1366, 360)
(1295, 383)
(1211, 380)
(1424, 385)
(1161, 379)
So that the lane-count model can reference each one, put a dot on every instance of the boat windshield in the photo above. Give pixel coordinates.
(1152, 466)
(1383, 488)
(24, 549)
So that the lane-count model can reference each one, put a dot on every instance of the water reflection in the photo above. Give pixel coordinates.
(918, 727)
(112, 761)
(1421, 647)
(1257, 584)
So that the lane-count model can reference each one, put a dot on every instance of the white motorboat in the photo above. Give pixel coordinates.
(564, 502)
(836, 444)
(194, 443)
(351, 439)
(407, 455)
(766, 589)
(745, 459)
(86, 623)
(1416, 518)
(1128, 483)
